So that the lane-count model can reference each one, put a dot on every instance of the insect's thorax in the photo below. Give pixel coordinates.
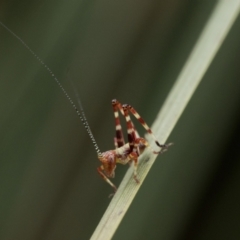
(122, 154)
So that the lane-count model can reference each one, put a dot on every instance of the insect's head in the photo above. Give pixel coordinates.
(108, 160)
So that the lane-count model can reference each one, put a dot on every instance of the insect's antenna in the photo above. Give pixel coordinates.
(82, 117)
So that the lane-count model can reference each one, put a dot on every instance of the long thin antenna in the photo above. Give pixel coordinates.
(82, 112)
(80, 103)
(80, 115)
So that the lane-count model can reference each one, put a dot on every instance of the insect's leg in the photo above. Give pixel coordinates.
(130, 128)
(100, 171)
(132, 133)
(135, 131)
(148, 129)
(118, 140)
(115, 142)
(134, 157)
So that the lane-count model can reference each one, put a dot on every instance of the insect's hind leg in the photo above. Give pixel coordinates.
(119, 139)
(132, 133)
(148, 129)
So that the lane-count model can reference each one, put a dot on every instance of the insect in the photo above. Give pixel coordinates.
(124, 152)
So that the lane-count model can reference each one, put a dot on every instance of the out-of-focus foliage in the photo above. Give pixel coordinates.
(132, 51)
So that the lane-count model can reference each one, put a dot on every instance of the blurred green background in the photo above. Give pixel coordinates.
(133, 51)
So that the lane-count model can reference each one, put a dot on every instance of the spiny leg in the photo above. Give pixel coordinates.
(132, 134)
(100, 171)
(130, 128)
(118, 140)
(148, 129)
(136, 132)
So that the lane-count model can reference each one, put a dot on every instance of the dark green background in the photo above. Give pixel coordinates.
(133, 51)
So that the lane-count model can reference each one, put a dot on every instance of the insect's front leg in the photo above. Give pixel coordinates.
(100, 171)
